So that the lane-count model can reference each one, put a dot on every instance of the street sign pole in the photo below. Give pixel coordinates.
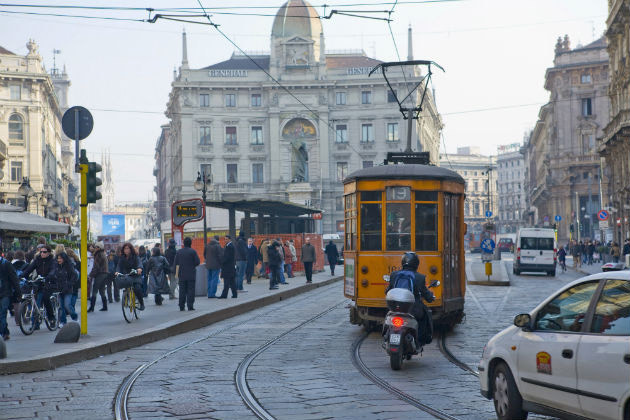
(83, 167)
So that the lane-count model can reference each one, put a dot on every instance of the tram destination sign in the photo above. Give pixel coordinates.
(187, 211)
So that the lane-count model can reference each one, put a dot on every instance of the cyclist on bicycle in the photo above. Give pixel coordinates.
(562, 258)
(65, 277)
(43, 264)
(129, 261)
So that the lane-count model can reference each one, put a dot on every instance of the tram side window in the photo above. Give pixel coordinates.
(426, 227)
(371, 225)
(398, 229)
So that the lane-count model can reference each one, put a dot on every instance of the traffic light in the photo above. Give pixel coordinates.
(92, 182)
(555, 227)
(571, 228)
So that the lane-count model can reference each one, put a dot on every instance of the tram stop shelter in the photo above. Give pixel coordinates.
(272, 216)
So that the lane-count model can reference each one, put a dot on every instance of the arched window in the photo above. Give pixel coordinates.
(16, 127)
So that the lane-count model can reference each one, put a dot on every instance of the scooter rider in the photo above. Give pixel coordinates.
(410, 263)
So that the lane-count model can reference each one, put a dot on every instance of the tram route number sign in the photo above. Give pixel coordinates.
(187, 211)
(487, 245)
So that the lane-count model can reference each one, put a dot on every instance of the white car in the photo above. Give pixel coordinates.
(569, 357)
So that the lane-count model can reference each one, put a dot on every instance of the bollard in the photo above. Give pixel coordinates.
(488, 269)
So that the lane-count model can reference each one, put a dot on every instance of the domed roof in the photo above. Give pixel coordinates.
(297, 18)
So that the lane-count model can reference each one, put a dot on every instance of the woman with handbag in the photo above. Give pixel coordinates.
(129, 261)
(158, 267)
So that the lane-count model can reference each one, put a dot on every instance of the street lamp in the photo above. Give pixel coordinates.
(25, 190)
(201, 185)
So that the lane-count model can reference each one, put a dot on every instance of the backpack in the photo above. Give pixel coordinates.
(404, 280)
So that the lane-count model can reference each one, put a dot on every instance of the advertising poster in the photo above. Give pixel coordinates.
(113, 224)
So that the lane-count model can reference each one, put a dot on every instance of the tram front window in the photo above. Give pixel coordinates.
(371, 224)
(398, 232)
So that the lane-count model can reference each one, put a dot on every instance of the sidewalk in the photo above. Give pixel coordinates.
(584, 268)
(108, 332)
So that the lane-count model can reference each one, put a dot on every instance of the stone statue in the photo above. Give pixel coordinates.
(299, 161)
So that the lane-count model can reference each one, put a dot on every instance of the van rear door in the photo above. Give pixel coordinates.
(545, 254)
(529, 247)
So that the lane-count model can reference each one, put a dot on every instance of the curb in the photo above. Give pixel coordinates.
(148, 336)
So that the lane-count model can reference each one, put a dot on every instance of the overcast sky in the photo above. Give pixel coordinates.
(495, 53)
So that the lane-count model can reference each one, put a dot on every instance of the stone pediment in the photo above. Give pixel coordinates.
(299, 40)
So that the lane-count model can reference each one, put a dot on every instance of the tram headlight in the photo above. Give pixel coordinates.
(386, 278)
(364, 283)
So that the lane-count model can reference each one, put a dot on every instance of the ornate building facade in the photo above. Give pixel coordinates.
(289, 141)
(510, 188)
(615, 144)
(563, 165)
(36, 150)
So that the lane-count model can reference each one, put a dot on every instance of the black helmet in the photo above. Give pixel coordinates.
(410, 261)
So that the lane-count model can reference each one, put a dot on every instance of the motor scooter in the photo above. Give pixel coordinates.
(400, 329)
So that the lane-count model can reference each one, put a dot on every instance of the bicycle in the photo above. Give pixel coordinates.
(129, 301)
(30, 314)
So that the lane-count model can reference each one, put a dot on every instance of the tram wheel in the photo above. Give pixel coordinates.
(395, 360)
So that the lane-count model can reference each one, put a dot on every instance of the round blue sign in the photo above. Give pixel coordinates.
(558, 218)
(487, 245)
(488, 213)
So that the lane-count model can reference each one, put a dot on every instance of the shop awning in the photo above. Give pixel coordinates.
(17, 220)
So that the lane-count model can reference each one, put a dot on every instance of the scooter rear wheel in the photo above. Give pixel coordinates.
(395, 360)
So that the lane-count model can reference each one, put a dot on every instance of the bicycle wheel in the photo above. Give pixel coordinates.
(25, 313)
(128, 305)
(52, 324)
(136, 305)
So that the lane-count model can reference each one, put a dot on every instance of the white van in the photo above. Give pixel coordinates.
(535, 251)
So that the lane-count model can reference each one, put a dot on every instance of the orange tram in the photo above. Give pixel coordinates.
(392, 209)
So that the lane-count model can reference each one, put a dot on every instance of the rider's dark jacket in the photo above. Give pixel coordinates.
(420, 290)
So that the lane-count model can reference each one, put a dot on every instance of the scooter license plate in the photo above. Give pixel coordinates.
(394, 339)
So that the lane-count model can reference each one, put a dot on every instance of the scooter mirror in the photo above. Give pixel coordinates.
(386, 278)
(434, 283)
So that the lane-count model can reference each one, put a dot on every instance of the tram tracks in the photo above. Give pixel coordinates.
(382, 383)
(120, 403)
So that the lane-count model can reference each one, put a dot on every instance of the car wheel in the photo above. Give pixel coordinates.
(552, 273)
(508, 403)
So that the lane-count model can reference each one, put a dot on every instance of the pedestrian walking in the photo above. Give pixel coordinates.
(158, 267)
(282, 257)
(308, 258)
(90, 265)
(228, 269)
(127, 261)
(293, 255)
(19, 264)
(169, 254)
(615, 252)
(264, 256)
(288, 260)
(100, 276)
(590, 249)
(275, 261)
(9, 292)
(112, 287)
(186, 262)
(333, 255)
(575, 253)
(252, 260)
(65, 277)
(144, 259)
(241, 260)
(213, 254)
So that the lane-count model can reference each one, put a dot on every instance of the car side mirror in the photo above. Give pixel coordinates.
(523, 321)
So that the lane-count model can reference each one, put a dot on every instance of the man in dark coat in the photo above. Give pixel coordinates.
(308, 258)
(213, 254)
(228, 270)
(9, 290)
(186, 262)
(241, 260)
(170, 253)
(252, 260)
(333, 255)
(43, 264)
(275, 261)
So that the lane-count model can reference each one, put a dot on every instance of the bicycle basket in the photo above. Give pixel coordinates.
(123, 282)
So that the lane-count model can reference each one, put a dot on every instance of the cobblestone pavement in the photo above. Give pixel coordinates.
(308, 374)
